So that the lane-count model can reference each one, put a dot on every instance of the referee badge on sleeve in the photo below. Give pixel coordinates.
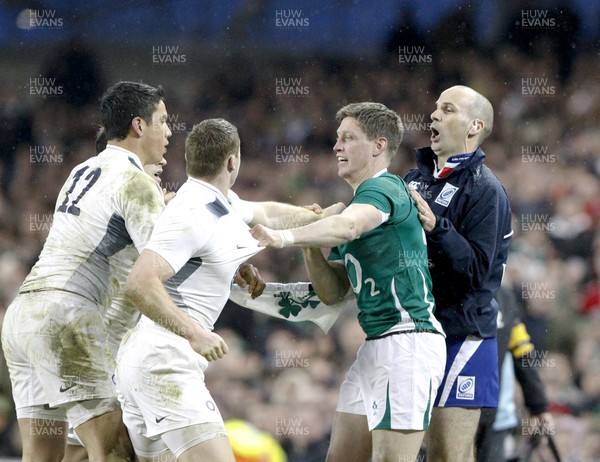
(445, 196)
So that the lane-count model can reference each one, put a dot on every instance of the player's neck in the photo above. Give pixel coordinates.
(130, 145)
(441, 159)
(220, 182)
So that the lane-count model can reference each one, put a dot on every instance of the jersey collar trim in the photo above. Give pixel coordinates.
(133, 158)
(214, 189)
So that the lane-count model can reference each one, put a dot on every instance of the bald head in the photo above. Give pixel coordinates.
(477, 106)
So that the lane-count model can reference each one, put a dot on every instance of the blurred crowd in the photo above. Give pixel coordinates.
(283, 377)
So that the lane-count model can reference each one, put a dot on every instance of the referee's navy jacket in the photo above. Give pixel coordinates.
(468, 247)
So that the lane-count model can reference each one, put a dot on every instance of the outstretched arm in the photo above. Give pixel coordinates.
(353, 222)
(277, 215)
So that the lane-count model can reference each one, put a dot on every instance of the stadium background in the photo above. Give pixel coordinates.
(279, 71)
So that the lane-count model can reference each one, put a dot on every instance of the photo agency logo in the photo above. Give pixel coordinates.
(413, 122)
(29, 19)
(537, 86)
(40, 222)
(290, 359)
(413, 259)
(291, 86)
(175, 125)
(48, 428)
(168, 54)
(536, 154)
(45, 87)
(411, 458)
(534, 426)
(290, 154)
(291, 19)
(537, 359)
(414, 55)
(537, 222)
(290, 427)
(44, 154)
(537, 291)
(537, 19)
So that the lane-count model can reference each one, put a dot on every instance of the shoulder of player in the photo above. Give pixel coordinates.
(197, 202)
(385, 183)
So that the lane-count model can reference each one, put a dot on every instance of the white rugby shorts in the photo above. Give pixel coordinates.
(55, 348)
(160, 382)
(394, 380)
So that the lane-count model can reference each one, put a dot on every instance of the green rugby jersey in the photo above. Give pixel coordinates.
(388, 266)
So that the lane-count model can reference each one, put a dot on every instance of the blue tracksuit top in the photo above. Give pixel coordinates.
(469, 245)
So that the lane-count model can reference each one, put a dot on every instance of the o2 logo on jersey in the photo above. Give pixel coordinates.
(465, 387)
(355, 274)
(445, 196)
(354, 271)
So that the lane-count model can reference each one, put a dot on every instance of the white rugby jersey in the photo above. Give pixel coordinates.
(121, 315)
(107, 204)
(204, 237)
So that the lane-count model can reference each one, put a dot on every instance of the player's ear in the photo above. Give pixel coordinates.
(230, 163)
(380, 145)
(137, 126)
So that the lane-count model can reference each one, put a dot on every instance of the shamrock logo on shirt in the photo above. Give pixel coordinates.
(291, 306)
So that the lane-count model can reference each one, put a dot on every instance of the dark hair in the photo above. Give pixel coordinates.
(101, 140)
(208, 145)
(376, 120)
(124, 101)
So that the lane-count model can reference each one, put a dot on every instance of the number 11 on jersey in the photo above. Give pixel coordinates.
(78, 190)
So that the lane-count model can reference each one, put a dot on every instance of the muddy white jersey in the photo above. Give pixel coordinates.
(121, 315)
(107, 205)
(204, 236)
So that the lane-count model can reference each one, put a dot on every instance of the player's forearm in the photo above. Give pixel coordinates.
(149, 296)
(277, 215)
(329, 232)
(329, 284)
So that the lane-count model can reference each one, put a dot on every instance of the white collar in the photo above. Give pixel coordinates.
(213, 188)
(132, 155)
